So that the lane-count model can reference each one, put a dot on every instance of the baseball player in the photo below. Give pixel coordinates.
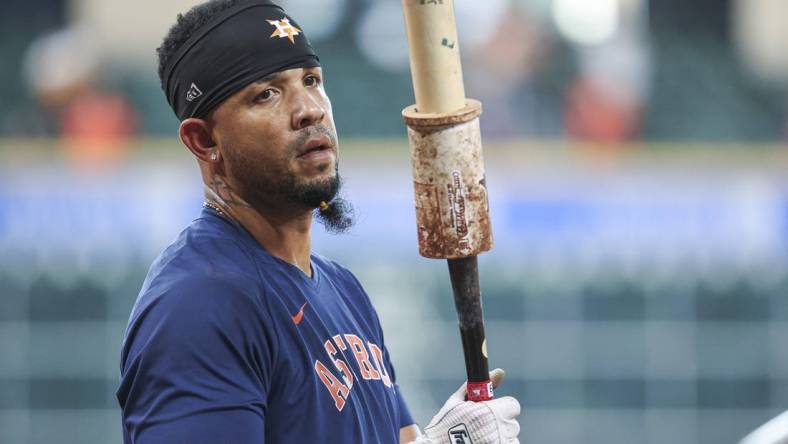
(240, 333)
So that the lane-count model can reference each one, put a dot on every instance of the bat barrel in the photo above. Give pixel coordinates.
(434, 55)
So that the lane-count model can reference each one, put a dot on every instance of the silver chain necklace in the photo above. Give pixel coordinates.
(212, 206)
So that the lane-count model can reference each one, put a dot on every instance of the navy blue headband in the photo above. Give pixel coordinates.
(241, 45)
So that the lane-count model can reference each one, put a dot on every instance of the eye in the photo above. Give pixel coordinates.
(311, 80)
(265, 95)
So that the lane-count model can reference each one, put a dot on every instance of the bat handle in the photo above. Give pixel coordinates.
(464, 273)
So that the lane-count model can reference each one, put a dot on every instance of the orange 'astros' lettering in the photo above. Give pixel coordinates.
(340, 343)
(347, 375)
(335, 387)
(368, 370)
(371, 366)
(377, 354)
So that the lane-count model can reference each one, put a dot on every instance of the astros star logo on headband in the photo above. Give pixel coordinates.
(284, 29)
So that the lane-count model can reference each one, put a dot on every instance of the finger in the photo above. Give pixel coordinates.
(509, 428)
(506, 407)
(496, 377)
(459, 395)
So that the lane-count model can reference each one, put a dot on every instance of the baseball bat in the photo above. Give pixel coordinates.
(452, 209)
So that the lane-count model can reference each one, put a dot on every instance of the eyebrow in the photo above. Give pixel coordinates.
(267, 78)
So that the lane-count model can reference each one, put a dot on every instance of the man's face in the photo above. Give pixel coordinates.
(278, 140)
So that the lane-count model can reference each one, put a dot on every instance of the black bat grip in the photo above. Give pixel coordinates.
(464, 275)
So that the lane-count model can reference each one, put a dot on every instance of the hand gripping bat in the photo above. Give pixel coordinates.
(452, 209)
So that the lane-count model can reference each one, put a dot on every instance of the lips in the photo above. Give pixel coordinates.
(315, 144)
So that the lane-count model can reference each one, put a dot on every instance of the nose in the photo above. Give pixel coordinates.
(307, 111)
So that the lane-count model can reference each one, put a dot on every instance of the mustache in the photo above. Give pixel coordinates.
(304, 134)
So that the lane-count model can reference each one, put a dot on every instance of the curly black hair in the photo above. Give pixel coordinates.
(185, 26)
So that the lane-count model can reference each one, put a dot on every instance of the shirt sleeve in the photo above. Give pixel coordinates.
(405, 417)
(196, 366)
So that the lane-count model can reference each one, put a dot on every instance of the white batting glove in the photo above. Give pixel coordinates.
(773, 432)
(466, 422)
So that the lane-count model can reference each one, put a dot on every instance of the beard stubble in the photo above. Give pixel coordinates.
(261, 185)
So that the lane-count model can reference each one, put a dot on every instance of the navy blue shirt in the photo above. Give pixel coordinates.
(229, 344)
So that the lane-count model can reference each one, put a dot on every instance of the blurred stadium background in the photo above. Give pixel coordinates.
(637, 162)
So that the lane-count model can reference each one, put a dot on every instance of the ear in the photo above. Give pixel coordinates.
(196, 135)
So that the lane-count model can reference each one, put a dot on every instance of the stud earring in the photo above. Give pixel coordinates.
(214, 156)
